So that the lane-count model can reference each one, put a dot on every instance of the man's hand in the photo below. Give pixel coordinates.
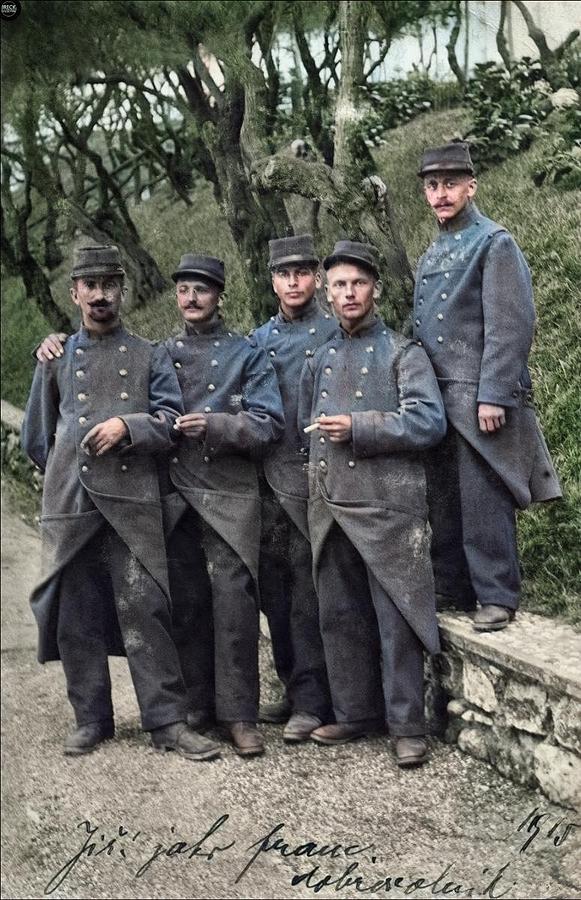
(338, 428)
(490, 418)
(193, 425)
(52, 346)
(104, 436)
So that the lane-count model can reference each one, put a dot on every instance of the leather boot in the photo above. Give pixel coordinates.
(87, 738)
(275, 713)
(245, 736)
(492, 618)
(299, 727)
(411, 751)
(184, 741)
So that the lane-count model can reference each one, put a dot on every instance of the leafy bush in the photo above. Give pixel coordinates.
(393, 103)
(562, 164)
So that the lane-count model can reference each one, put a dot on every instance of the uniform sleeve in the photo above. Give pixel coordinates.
(41, 414)
(305, 404)
(509, 319)
(153, 432)
(418, 423)
(261, 421)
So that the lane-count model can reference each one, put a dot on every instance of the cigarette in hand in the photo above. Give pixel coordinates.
(312, 427)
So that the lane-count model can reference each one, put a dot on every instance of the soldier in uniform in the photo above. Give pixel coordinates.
(287, 591)
(374, 404)
(95, 417)
(233, 414)
(474, 315)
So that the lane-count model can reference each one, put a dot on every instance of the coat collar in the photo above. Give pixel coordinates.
(214, 325)
(466, 217)
(309, 311)
(86, 337)
(371, 323)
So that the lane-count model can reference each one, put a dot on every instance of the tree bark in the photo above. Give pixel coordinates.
(537, 35)
(501, 43)
(451, 46)
(352, 19)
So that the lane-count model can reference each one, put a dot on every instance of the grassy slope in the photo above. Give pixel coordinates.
(547, 225)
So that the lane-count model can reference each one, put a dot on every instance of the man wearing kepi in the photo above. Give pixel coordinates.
(474, 316)
(233, 413)
(96, 416)
(287, 591)
(373, 401)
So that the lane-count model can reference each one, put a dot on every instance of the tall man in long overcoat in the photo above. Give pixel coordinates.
(233, 414)
(95, 419)
(374, 404)
(287, 591)
(474, 315)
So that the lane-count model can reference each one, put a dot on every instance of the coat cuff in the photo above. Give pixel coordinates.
(498, 394)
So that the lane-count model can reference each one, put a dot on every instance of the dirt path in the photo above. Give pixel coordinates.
(454, 816)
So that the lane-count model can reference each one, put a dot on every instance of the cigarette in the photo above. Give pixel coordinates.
(312, 427)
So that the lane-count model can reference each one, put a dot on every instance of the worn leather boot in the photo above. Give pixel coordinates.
(245, 736)
(341, 732)
(411, 751)
(87, 738)
(275, 713)
(184, 741)
(492, 618)
(299, 727)
(200, 720)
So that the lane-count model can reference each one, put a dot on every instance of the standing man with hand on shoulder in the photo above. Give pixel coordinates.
(474, 316)
(286, 584)
(95, 418)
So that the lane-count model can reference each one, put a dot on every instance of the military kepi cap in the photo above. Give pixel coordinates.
(355, 252)
(207, 266)
(453, 157)
(101, 259)
(295, 249)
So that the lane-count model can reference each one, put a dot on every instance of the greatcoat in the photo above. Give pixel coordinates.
(374, 486)
(474, 316)
(118, 374)
(222, 375)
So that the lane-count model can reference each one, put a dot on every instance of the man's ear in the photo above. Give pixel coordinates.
(472, 187)
(377, 289)
(327, 295)
(73, 291)
(318, 279)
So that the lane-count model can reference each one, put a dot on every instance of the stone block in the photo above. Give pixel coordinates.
(513, 754)
(456, 707)
(525, 706)
(567, 723)
(472, 715)
(474, 740)
(478, 688)
(448, 667)
(558, 772)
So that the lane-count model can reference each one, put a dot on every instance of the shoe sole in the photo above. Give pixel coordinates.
(82, 751)
(493, 626)
(409, 761)
(195, 757)
(332, 742)
(296, 738)
(254, 751)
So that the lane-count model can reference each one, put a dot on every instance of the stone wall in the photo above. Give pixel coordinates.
(513, 699)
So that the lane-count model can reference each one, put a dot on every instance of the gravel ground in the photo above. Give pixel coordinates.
(126, 822)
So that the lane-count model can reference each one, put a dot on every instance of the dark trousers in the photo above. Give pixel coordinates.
(221, 671)
(472, 515)
(290, 603)
(192, 618)
(103, 570)
(368, 644)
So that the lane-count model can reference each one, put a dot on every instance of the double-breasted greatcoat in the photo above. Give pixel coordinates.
(474, 316)
(287, 591)
(118, 374)
(371, 491)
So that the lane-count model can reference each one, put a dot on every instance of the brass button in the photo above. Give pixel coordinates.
(322, 440)
(322, 464)
(272, 353)
(216, 343)
(332, 350)
(206, 459)
(327, 315)
(124, 468)
(369, 349)
(84, 468)
(214, 362)
(123, 372)
(122, 349)
(446, 274)
(440, 316)
(82, 420)
(440, 339)
(308, 352)
(364, 370)
(351, 464)
(275, 331)
(207, 409)
(444, 296)
(81, 396)
(418, 321)
(177, 365)
(457, 237)
(328, 370)
(424, 280)
(358, 394)
(324, 394)
(124, 396)
(211, 387)
(312, 330)
(79, 373)
(79, 351)
(179, 344)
